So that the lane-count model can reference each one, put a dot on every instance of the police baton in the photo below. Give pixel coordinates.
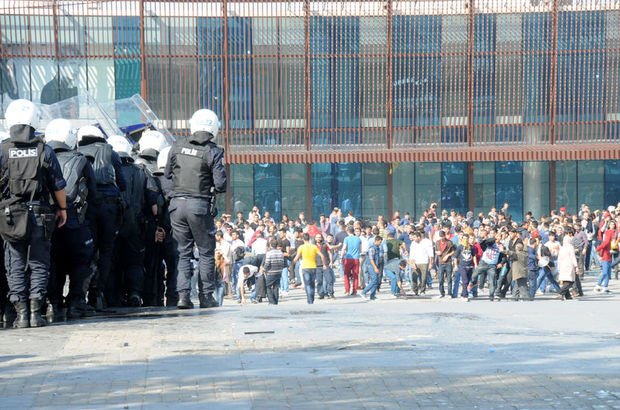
(212, 207)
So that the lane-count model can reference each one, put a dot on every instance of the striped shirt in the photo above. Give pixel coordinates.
(274, 262)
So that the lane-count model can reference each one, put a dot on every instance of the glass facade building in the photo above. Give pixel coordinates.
(371, 106)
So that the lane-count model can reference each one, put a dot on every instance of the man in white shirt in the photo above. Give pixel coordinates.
(237, 250)
(420, 258)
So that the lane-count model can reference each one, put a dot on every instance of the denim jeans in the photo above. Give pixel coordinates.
(234, 278)
(457, 281)
(309, 283)
(320, 281)
(445, 273)
(394, 279)
(465, 273)
(220, 288)
(532, 276)
(372, 284)
(486, 271)
(328, 281)
(545, 273)
(284, 280)
(603, 280)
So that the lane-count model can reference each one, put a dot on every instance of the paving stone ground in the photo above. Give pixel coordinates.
(336, 354)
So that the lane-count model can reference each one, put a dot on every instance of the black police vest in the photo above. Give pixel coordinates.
(100, 156)
(23, 170)
(72, 164)
(191, 171)
(133, 196)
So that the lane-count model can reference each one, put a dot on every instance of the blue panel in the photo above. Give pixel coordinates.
(127, 73)
(536, 82)
(346, 42)
(485, 27)
(416, 79)
(240, 72)
(210, 39)
(454, 186)
(320, 65)
(581, 75)
(267, 189)
(509, 187)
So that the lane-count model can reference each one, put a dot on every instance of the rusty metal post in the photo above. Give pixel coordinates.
(388, 80)
(56, 41)
(470, 75)
(554, 73)
(552, 184)
(471, 200)
(309, 192)
(307, 83)
(143, 87)
(225, 90)
(228, 197)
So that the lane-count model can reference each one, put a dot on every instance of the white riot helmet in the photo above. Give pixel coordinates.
(22, 112)
(204, 120)
(121, 145)
(152, 140)
(89, 131)
(61, 130)
(162, 158)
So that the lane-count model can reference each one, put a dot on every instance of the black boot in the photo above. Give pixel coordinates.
(22, 320)
(54, 313)
(36, 320)
(207, 301)
(9, 315)
(185, 302)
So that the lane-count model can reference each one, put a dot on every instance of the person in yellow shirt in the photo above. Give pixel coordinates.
(308, 253)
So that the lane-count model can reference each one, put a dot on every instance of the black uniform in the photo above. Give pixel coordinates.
(30, 174)
(72, 244)
(153, 257)
(104, 216)
(195, 165)
(170, 247)
(130, 243)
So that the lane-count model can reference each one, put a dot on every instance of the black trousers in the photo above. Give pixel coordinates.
(28, 264)
(272, 282)
(72, 253)
(193, 224)
(565, 289)
(128, 272)
(104, 225)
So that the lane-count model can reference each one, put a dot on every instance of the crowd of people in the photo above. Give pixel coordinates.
(135, 225)
(443, 254)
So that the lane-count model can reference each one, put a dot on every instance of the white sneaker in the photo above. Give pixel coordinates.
(363, 295)
(605, 290)
(598, 288)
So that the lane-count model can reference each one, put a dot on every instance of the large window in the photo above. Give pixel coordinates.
(484, 187)
(566, 185)
(294, 190)
(427, 185)
(403, 183)
(374, 190)
(211, 75)
(590, 183)
(484, 72)
(242, 188)
(267, 188)
(536, 66)
(509, 187)
(454, 186)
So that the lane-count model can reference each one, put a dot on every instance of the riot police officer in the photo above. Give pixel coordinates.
(170, 246)
(72, 245)
(130, 243)
(34, 202)
(196, 167)
(105, 214)
(150, 144)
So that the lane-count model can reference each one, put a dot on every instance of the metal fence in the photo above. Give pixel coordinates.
(363, 81)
